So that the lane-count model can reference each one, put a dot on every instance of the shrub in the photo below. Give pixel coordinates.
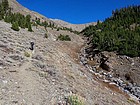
(27, 54)
(15, 26)
(64, 38)
(30, 27)
(46, 35)
(73, 100)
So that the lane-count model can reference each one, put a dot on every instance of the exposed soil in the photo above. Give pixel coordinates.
(51, 74)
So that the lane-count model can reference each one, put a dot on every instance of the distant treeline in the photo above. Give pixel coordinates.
(119, 33)
(16, 19)
(21, 21)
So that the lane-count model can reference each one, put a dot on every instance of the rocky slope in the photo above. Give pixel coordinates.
(107, 46)
(121, 70)
(16, 7)
(51, 74)
(77, 27)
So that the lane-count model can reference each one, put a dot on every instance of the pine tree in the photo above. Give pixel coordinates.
(5, 5)
(45, 25)
(2, 12)
(23, 22)
(30, 27)
(28, 17)
(1, 17)
(15, 26)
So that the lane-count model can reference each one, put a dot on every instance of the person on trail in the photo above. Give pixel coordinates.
(32, 46)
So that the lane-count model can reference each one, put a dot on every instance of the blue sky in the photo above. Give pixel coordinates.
(77, 11)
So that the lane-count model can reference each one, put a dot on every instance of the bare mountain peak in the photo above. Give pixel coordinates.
(77, 27)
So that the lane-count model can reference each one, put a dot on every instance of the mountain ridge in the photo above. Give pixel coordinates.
(60, 23)
(77, 27)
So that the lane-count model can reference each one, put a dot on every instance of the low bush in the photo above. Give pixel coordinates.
(27, 54)
(46, 35)
(64, 38)
(15, 26)
(73, 100)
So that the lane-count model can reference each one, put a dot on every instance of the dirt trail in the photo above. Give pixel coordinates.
(29, 86)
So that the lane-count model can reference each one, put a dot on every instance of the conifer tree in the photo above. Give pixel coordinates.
(29, 27)
(5, 5)
(45, 25)
(15, 26)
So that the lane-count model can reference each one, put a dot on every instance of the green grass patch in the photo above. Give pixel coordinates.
(64, 37)
(74, 100)
(27, 54)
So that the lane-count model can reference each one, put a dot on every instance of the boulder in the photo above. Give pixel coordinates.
(136, 91)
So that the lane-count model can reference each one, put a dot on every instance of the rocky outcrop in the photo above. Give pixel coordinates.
(119, 69)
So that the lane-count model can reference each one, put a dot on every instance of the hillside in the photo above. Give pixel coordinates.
(52, 73)
(16, 7)
(112, 49)
(77, 27)
(120, 32)
(19, 8)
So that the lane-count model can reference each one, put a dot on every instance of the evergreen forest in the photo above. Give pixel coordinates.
(119, 33)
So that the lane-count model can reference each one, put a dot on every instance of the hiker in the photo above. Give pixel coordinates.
(32, 46)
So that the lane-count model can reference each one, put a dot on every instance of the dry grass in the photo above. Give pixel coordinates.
(27, 54)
